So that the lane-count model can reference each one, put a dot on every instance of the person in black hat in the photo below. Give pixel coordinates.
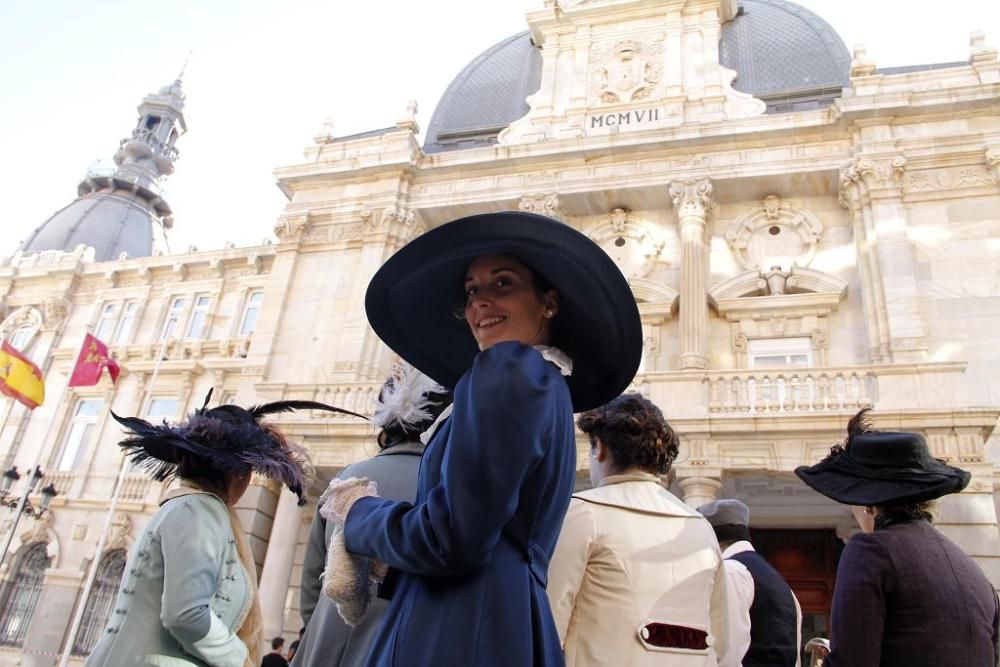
(528, 320)
(765, 617)
(189, 592)
(905, 594)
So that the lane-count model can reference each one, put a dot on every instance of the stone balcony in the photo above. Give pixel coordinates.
(830, 389)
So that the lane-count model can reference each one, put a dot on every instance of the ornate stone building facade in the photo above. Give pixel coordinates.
(806, 234)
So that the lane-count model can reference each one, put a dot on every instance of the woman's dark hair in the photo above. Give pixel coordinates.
(197, 470)
(909, 512)
(635, 431)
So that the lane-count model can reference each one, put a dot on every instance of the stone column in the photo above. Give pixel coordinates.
(692, 203)
(699, 490)
(278, 563)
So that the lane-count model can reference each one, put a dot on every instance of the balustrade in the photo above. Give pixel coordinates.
(790, 390)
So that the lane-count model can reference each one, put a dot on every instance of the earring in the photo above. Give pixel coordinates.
(549, 313)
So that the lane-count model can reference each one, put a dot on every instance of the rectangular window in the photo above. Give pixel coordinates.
(162, 408)
(196, 327)
(80, 433)
(173, 317)
(781, 353)
(19, 340)
(106, 323)
(250, 313)
(124, 330)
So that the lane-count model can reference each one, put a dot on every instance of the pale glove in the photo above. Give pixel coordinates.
(348, 577)
(340, 496)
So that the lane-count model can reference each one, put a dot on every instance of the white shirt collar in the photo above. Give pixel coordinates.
(737, 548)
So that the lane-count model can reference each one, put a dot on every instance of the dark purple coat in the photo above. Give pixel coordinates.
(907, 595)
(473, 551)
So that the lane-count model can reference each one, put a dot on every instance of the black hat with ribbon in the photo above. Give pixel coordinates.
(877, 468)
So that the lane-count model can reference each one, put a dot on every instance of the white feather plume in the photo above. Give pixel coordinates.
(407, 403)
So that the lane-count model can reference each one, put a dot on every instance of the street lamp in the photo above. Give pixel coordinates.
(9, 477)
(7, 500)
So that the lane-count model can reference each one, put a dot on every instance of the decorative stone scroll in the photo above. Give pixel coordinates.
(543, 204)
(626, 71)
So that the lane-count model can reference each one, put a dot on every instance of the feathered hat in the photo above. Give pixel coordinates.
(228, 438)
(882, 468)
(409, 402)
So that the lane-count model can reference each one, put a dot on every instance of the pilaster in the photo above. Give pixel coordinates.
(692, 201)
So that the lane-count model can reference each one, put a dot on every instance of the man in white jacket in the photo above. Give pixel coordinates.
(637, 577)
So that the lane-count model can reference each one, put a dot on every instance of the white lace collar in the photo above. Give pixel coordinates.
(554, 355)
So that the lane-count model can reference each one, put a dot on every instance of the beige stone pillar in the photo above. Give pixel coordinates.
(699, 490)
(692, 203)
(278, 563)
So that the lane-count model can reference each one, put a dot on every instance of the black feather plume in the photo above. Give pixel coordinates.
(860, 423)
(259, 411)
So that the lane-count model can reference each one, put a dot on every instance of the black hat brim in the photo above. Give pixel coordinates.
(411, 298)
(891, 487)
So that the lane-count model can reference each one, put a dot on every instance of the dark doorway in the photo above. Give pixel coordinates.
(807, 559)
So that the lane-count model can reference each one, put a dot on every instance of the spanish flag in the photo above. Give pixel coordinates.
(20, 378)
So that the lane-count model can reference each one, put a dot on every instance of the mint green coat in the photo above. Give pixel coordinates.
(182, 593)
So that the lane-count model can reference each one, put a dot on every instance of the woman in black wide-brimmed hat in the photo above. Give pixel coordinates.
(905, 593)
(529, 321)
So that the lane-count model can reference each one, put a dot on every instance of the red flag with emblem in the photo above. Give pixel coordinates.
(93, 359)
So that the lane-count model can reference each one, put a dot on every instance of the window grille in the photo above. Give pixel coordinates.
(23, 592)
(99, 603)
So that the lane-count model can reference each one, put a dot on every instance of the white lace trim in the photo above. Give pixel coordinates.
(556, 356)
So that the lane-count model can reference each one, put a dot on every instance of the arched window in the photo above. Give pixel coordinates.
(23, 592)
(102, 597)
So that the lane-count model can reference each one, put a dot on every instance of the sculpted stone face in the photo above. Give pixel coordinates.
(502, 303)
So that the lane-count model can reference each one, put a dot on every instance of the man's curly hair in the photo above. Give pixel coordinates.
(635, 431)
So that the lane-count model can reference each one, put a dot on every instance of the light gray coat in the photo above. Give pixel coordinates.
(328, 641)
(182, 593)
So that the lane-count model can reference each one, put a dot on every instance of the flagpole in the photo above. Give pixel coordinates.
(67, 648)
(24, 494)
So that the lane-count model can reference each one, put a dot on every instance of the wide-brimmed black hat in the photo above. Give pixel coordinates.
(226, 439)
(411, 299)
(883, 468)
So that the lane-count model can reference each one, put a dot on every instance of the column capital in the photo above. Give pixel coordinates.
(692, 200)
(698, 491)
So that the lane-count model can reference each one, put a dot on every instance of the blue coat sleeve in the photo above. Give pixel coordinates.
(501, 427)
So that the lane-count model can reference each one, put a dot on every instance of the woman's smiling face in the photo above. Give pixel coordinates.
(503, 304)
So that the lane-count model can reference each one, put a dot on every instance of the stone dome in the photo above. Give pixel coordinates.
(781, 49)
(781, 52)
(486, 96)
(110, 222)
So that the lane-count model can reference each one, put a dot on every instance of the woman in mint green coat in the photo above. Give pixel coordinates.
(189, 592)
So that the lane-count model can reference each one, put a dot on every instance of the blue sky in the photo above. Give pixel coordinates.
(264, 75)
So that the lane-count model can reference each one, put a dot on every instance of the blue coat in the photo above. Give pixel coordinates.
(473, 551)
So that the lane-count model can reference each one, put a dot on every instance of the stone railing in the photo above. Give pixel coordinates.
(790, 390)
(61, 479)
(359, 397)
(135, 486)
